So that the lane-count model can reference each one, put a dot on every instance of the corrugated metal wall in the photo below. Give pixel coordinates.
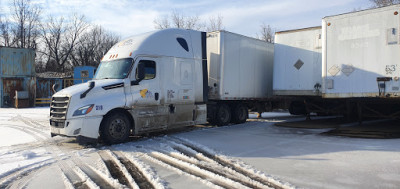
(44, 86)
(17, 72)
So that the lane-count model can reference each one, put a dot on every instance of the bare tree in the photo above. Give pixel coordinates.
(178, 20)
(215, 23)
(194, 23)
(266, 33)
(162, 23)
(5, 35)
(60, 37)
(92, 46)
(27, 19)
(382, 3)
(52, 34)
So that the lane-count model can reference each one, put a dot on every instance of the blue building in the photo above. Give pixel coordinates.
(17, 73)
(83, 74)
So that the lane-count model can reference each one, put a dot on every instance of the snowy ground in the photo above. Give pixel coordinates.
(256, 154)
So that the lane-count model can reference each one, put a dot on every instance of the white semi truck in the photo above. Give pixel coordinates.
(167, 79)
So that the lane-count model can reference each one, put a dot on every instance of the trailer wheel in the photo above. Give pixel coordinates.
(240, 113)
(115, 128)
(223, 115)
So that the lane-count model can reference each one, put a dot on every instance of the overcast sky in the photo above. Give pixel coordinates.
(130, 17)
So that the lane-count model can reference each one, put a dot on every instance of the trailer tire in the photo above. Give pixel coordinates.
(224, 115)
(115, 128)
(240, 113)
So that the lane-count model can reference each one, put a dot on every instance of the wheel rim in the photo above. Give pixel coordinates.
(118, 128)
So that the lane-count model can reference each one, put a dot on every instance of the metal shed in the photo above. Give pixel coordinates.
(17, 73)
(83, 74)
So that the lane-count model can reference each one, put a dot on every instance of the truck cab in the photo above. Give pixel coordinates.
(145, 83)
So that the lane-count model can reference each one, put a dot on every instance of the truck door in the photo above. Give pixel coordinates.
(148, 111)
(180, 99)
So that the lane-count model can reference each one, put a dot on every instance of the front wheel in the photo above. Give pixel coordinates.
(115, 128)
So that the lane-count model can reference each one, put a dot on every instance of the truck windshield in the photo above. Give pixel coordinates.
(114, 69)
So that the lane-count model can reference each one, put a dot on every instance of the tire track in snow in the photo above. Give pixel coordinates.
(70, 174)
(27, 130)
(29, 122)
(117, 169)
(88, 181)
(61, 159)
(6, 150)
(212, 166)
(21, 178)
(235, 165)
(192, 169)
(67, 182)
(10, 176)
(137, 175)
(101, 179)
(33, 126)
(180, 171)
(147, 171)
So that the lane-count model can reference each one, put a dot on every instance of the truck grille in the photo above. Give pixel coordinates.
(58, 108)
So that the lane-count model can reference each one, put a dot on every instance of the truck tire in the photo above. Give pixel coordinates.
(115, 128)
(240, 113)
(223, 115)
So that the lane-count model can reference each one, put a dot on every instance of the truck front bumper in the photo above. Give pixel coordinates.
(81, 126)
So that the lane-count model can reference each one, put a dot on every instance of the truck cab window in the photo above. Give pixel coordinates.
(150, 69)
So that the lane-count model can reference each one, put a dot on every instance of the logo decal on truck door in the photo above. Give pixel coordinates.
(144, 93)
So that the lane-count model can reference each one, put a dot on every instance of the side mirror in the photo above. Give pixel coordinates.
(140, 74)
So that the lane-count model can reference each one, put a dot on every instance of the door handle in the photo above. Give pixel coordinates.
(156, 96)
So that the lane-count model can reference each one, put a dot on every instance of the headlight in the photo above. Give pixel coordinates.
(83, 110)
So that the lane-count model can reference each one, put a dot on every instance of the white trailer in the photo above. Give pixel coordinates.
(297, 66)
(360, 68)
(361, 53)
(240, 76)
(359, 71)
(239, 67)
(159, 80)
(297, 62)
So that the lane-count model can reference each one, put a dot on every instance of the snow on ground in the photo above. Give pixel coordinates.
(270, 115)
(255, 154)
(10, 136)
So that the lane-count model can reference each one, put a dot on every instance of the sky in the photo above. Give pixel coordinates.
(130, 17)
